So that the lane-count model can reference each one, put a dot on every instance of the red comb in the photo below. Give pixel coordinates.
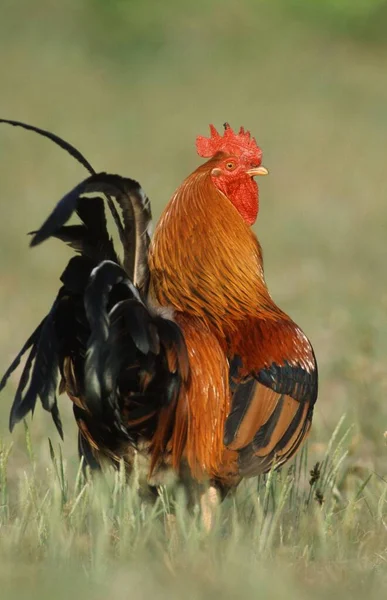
(240, 144)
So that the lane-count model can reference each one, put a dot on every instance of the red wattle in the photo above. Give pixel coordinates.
(242, 193)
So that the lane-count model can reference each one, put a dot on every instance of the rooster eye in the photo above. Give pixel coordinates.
(230, 166)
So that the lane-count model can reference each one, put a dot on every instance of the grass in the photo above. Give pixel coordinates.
(132, 85)
(313, 529)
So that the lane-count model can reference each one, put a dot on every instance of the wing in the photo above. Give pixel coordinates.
(272, 405)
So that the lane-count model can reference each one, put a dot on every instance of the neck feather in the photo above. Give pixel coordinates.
(204, 259)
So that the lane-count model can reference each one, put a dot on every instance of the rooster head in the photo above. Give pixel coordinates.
(236, 160)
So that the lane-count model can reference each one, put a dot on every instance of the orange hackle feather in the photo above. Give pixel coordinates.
(204, 259)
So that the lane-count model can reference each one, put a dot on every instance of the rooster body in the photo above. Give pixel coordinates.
(178, 353)
(203, 237)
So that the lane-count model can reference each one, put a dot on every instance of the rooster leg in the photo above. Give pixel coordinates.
(205, 495)
(209, 502)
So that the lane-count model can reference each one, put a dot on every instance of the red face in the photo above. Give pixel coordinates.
(233, 177)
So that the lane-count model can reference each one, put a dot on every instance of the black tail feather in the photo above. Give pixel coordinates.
(76, 275)
(137, 218)
(56, 139)
(44, 378)
(135, 239)
(85, 452)
(99, 381)
(131, 315)
(135, 206)
(19, 408)
(15, 363)
(65, 208)
(120, 361)
(75, 154)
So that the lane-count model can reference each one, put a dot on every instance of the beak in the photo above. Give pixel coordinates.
(257, 171)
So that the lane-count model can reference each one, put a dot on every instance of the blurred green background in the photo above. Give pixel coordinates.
(132, 83)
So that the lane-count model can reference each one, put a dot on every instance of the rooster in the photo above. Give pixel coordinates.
(177, 352)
